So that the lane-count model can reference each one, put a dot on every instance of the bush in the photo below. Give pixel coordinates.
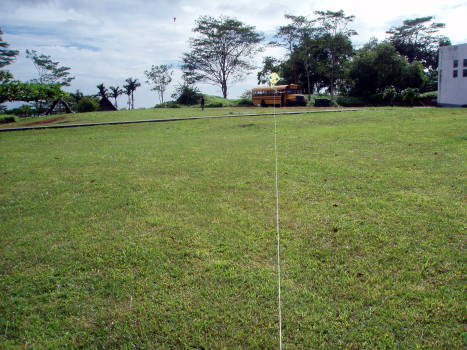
(169, 104)
(322, 102)
(214, 105)
(409, 95)
(376, 99)
(245, 102)
(429, 98)
(88, 104)
(350, 101)
(429, 94)
(4, 119)
(389, 95)
(22, 111)
(186, 95)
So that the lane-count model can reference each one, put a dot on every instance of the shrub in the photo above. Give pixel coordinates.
(322, 102)
(88, 104)
(4, 119)
(428, 98)
(350, 101)
(409, 95)
(429, 94)
(22, 111)
(376, 99)
(389, 95)
(245, 102)
(214, 105)
(186, 95)
(169, 104)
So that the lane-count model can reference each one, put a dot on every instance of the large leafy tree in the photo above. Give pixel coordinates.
(7, 56)
(222, 51)
(298, 38)
(130, 88)
(378, 66)
(49, 71)
(14, 90)
(291, 35)
(317, 49)
(335, 32)
(159, 77)
(418, 39)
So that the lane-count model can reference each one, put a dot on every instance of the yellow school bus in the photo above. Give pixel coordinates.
(280, 95)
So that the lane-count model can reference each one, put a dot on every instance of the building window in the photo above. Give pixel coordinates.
(454, 73)
(455, 63)
(464, 73)
(465, 62)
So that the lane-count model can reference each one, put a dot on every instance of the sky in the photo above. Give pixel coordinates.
(108, 41)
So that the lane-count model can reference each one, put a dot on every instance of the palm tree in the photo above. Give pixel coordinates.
(115, 92)
(130, 87)
(102, 90)
(128, 93)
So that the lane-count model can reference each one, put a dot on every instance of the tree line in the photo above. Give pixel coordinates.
(319, 55)
(322, 57)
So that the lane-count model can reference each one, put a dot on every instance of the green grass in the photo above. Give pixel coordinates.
(162, 236)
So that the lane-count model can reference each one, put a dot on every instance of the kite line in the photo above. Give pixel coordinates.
(273, 79)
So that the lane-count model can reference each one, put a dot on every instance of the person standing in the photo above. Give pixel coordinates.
(202, 103)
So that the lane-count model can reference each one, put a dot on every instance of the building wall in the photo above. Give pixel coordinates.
(452, 90)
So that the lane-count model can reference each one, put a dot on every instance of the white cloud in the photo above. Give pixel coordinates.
(109, 41)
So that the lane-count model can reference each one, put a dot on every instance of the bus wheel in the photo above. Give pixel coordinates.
(263, 104)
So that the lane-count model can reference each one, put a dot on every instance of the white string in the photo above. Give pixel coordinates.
(277, 230)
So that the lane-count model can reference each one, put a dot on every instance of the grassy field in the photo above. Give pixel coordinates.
(162, 236)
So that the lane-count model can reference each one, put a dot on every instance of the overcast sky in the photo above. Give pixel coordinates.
(109, 41)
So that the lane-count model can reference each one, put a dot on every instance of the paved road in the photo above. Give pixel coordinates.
(62, 126)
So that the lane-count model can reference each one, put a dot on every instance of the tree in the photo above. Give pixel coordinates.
(88, 104)
(14, 90)
(160, 77)
(115, 92)
(270, 65)
(130, 87)
(291, 35)
(317, 49)
(311, 58)
(378, 67)
(102, 90)
(334, 28)
(76, 96)
(418, 40)
(7, 56)
(222, 52)
(49, 71)
(127, 91)
(186, 94)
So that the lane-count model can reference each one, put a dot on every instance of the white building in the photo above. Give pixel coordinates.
(452, 76)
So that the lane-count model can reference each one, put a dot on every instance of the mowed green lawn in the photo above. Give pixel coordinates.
(162, 236)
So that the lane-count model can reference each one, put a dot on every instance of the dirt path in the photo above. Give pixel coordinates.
(62, 126)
